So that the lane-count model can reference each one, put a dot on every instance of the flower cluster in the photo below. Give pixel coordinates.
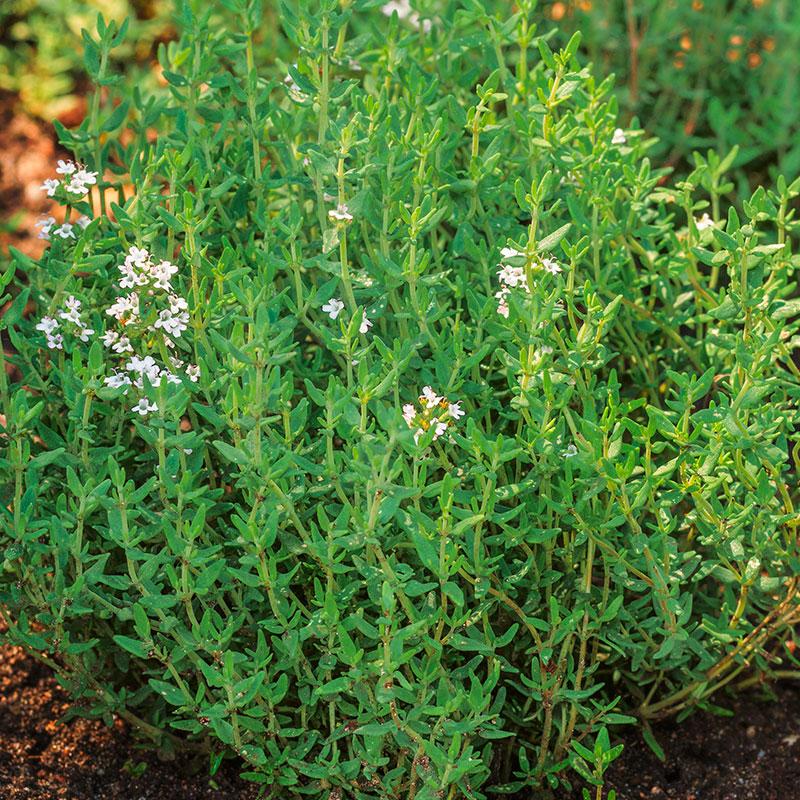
(140, 321)
(513, 276)
(137, 369)
(146, 277)
(148, 281)
(435, 413)
(66, 230)
(76, 180)
(71, 315)
(48, 326)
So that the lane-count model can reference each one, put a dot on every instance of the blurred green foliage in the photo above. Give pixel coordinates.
(41, 51)
(697, 74)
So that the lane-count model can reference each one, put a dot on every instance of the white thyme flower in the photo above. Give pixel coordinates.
(704, 222)
(50, 185)
(439, 427)
(341, 213)
(511, 252)
(122, 345)
(429, 397)
(511, 276)
(333, 307)
(143, 407)
(76, 187)
(162, 273)
(365, 325)
(55, 342)
(144, 366)
(551, 266)
(502, 304)
(177, 304)
(126, 307)
(84, 176)
(80, 182)
(65, 231)
(137, 256)
(85, 333)
(173, 323)
(46, 224)
(73, 311)
(409, 413)
(570, 452)
(193, 373)
(66, 167)
(619, 137)
(130, 277)
(117, 379)
(47, 325)
(83, 221)
(455, 411)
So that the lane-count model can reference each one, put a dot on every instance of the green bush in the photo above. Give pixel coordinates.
(399, 433)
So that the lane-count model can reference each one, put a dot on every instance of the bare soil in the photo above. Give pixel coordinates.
(44, 759)
(754, 755)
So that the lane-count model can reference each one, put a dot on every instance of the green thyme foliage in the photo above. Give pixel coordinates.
(699, 74)
(452, 441)
(41, 52)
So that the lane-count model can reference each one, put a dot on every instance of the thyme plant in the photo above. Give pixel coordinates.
(386, 419)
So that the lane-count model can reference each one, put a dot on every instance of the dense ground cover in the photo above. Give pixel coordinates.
(387, 418)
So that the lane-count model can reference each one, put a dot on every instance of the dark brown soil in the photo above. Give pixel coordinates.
(754, 755)
(43, 759)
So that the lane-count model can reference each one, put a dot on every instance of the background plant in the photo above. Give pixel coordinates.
(40, 56)
(705, 73)
(490, 447)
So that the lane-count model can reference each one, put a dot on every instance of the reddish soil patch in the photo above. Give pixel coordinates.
(43, 759)
(28, 154)
(754, 755)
